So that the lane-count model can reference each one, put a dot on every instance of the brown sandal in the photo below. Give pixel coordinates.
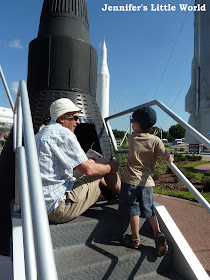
(161, 245)
(128, 240)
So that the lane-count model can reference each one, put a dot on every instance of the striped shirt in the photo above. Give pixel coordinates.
(59, 152)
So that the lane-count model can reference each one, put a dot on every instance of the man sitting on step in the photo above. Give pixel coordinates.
(60, 154)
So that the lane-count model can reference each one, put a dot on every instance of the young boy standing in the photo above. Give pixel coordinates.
(136, 197)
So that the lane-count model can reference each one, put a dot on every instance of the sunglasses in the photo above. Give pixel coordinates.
(76, 118)
(132, 121)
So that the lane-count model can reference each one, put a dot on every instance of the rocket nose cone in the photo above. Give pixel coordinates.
(64, 18)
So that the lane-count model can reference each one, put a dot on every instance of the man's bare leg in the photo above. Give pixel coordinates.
(112, 181)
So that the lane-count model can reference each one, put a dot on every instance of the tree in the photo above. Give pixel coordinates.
(177, 131)
(118, 134)
(155, 130)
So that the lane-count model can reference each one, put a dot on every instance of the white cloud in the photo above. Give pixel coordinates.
(15, 44)
(14, 87)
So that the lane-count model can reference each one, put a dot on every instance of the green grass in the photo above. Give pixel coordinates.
(181, 194)
(190, 167)
(196, 163)
(184, 194)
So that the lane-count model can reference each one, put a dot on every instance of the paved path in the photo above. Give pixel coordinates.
(202, 168)
(194, 223)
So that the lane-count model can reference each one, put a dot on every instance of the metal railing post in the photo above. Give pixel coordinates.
(184, 124)
(189, 185)
(43, 243)
(6, 88)
(173, 167)
(28, 236)
(18, 143)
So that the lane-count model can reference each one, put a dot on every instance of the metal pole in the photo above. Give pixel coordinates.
(6, 88)
(111, 134)
(124, 136)
(130, 110)
(43, 243)
(18, 143)
(189, 185)
(184, 124)
(28, 236)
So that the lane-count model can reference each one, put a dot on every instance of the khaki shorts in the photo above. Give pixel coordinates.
(85, 193)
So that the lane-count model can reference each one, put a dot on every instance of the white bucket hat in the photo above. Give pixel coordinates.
(62, 106)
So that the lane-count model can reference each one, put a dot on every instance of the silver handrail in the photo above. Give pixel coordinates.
(28, 185)
(28, 236)
(43, 244)
(172, 166)
(189, 185)
(6, 88)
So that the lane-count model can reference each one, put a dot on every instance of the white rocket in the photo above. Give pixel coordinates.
(197, 101)
(103, 80)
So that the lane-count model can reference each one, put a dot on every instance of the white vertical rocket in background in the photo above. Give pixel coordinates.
(197, 101)
(103, 81)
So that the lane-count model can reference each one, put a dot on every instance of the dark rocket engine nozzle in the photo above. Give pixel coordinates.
(62, 63)
(61, 58)
(65, 18)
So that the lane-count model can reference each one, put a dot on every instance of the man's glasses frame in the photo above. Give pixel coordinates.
(76, 118)
(132, 121)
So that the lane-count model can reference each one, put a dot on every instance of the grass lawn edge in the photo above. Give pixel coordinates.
(181, 194)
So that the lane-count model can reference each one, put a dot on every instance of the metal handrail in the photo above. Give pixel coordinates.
(6, 88)
(172, 166)
(38, 249)
(43, 245)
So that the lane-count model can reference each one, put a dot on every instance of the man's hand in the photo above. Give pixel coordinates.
(114, 165)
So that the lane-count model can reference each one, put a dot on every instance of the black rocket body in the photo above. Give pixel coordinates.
(62, 63)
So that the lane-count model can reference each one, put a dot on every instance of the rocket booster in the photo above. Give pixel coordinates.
(103, 80)
(61, 61)
(197, 101)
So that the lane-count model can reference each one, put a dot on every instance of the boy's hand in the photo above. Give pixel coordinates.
(168, 159)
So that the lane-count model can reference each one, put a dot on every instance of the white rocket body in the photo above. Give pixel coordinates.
(197, 101)
(103, 81)
(6, 117)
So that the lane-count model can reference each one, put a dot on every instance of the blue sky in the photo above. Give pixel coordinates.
(149, 53)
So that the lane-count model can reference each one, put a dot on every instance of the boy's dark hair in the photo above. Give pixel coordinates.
(146, 117)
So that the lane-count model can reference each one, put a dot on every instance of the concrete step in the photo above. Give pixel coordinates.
(99, 223)
(109, 261)
(89, 247)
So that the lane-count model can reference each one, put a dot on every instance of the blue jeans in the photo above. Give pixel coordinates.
(136, 201)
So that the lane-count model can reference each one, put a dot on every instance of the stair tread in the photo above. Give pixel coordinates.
(101, 222)
(88, 247)
(96, 260)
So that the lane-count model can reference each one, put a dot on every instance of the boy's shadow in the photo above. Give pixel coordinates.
(109, 230)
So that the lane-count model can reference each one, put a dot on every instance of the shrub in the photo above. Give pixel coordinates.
(187, 173)
(178, 157)
(181, 157)
(188, 157)
(207, 174)
(196, 158)
(160, 168)
(156, 176)
(206, 183)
